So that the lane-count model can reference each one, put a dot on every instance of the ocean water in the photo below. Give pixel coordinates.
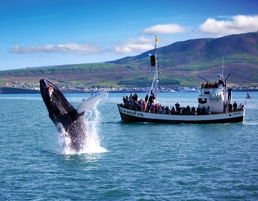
(138, 161)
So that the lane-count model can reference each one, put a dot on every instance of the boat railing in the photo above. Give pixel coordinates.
(159, 109)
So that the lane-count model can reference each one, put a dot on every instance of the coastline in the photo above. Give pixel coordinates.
(11, 90)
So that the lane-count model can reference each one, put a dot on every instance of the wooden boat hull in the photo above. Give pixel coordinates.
(129, 115)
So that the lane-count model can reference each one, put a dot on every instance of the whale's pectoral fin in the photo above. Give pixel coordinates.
(91, 102)
(82, 108)
(86, 105)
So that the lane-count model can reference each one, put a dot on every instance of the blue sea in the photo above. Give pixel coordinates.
(137, 161)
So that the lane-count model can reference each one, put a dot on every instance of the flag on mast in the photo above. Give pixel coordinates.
(156, 39)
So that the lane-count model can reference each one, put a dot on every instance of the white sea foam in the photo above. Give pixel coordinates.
(93, 141)
(92, 144)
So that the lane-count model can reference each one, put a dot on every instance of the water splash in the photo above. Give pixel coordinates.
(92, 142)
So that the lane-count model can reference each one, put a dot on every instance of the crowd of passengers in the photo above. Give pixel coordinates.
(147, 105)
(213, 84)
(233, 107)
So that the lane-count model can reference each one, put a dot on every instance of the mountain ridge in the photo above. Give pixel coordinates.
(182, 64)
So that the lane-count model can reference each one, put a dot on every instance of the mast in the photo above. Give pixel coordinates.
(156, 69)
(225, 87)
(225, 83)
(154, 63)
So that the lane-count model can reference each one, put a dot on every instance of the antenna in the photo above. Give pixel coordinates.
(222, 70)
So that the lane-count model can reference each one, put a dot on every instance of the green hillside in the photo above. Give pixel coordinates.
(181, 64)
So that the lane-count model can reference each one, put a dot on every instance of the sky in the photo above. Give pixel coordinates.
(35, 33)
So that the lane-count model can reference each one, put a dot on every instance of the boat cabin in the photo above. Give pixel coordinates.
(214, 96)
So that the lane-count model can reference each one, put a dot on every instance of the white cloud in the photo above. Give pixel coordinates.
(135, 46)
(67, 48)
(238, 24)
(164, 29)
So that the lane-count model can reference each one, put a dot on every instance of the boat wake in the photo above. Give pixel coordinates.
(251, 123)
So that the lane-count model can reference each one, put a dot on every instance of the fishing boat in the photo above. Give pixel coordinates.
(215, 104)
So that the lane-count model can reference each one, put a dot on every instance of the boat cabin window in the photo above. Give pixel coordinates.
(202, 100)
(206, 92)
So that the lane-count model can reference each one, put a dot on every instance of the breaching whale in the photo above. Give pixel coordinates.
(65, 116)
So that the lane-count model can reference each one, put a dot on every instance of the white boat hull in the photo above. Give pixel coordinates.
(129, 115)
